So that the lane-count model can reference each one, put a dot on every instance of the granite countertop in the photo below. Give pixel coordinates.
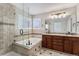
(75, 35)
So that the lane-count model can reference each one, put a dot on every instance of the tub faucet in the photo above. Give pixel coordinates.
(29, 43)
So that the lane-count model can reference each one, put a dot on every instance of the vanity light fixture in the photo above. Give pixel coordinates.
(59, 15)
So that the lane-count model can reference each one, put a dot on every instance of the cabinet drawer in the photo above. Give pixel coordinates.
(58, 47)
(43, 41)
(57, 43)
(57, 40)
(68, 48)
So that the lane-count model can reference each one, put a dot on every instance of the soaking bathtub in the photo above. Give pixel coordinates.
(24, 49)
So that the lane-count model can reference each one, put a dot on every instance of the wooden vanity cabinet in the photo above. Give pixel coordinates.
(68, 44)
(61, 43)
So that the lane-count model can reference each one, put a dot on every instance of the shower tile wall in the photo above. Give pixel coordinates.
(7, 30)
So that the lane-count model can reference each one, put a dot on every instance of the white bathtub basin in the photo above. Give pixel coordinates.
(34, 41)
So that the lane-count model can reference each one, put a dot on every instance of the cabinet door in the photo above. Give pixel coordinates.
(44, 41)
(68, 45)
(76, 47)
(48, 38)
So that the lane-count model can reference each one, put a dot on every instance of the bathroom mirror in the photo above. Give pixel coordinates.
(59, 24)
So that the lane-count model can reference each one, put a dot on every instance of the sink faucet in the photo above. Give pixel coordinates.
(71, 33)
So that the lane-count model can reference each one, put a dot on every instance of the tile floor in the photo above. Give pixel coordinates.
(12, 53)
(42, 52)
(49, 52)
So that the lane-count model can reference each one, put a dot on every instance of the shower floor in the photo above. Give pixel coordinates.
(42, 52)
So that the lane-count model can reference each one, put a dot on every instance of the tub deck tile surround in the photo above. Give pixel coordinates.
(22, 48)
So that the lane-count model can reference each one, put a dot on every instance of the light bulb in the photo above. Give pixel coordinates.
(60, 16)
(64, 15)
(55, 16)
(52, 17)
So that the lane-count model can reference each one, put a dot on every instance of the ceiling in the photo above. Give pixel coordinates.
(38, 8)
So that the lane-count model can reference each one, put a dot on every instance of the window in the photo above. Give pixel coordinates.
(36, 23)
(19, 21)
(23, 22)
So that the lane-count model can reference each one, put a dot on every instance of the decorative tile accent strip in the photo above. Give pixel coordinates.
(1, 23)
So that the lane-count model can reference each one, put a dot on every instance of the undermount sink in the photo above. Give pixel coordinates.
(70, 33)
